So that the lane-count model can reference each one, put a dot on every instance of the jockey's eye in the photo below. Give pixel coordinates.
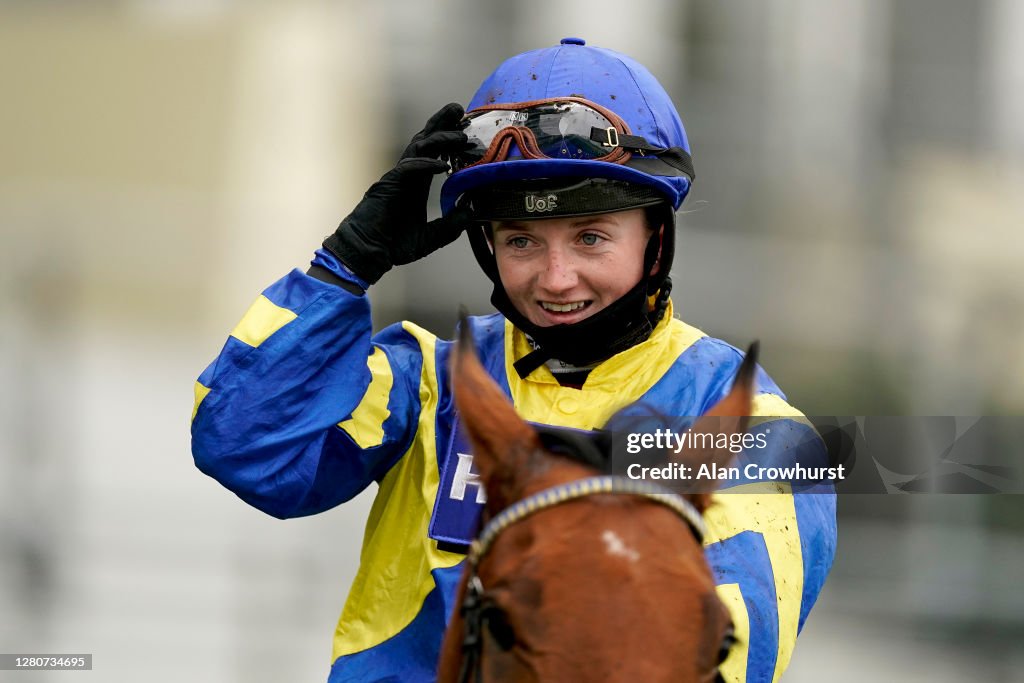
(728, 640)
(496, 621)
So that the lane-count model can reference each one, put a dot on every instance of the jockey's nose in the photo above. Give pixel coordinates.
(558, 272)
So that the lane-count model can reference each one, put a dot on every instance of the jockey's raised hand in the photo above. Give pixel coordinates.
(389, 225)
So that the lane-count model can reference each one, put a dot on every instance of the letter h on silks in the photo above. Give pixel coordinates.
(461, 497)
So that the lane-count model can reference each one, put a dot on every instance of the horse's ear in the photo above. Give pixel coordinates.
(503, 444)
(729, 416)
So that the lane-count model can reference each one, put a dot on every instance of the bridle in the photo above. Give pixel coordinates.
(472, 603)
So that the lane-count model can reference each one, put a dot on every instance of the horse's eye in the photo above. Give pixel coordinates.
(728, 640)
(497, 623)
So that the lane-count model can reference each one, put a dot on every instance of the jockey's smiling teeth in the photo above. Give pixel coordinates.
(563, 270)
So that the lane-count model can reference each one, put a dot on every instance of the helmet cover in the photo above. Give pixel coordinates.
(605, 77)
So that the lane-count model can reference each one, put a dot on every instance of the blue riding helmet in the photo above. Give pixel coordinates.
(573, 130)
(604, 77)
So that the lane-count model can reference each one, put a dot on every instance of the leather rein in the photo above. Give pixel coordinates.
(472, 603)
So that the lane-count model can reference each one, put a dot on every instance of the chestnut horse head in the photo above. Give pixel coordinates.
(570, 580)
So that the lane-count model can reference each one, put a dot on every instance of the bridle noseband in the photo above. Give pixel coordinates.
(472, 603)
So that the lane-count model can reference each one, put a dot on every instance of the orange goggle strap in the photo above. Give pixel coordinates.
(523, 137)
(670, 161)
(615, 137)
(619, 136)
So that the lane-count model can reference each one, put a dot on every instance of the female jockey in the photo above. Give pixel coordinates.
(566, 173)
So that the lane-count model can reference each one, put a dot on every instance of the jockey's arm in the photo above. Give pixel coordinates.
(301, 409)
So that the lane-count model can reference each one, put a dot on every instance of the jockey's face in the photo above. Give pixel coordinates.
(563, 270)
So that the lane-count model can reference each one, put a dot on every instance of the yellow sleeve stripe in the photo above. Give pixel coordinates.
(768, 407)
(735, 667)
(263, 319)
(201, 393)
(366, 426)
(775, 406)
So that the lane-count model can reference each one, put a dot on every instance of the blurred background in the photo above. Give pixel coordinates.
(858, 208)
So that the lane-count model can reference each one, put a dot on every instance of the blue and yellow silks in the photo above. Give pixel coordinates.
(304, 408)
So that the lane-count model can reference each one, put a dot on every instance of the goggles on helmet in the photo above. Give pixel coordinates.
(555, 128)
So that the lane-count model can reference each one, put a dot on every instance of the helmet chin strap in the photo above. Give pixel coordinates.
(621, 325)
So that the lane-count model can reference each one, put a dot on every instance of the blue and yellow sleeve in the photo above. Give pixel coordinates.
(302, 409)
(771, 546)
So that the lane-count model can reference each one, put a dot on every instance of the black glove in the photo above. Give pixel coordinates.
(389, 226)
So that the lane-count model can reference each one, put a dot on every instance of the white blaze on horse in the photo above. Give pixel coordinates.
(579, 577)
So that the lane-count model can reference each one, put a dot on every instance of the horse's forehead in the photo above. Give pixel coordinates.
(607, 581)
(606, 535)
